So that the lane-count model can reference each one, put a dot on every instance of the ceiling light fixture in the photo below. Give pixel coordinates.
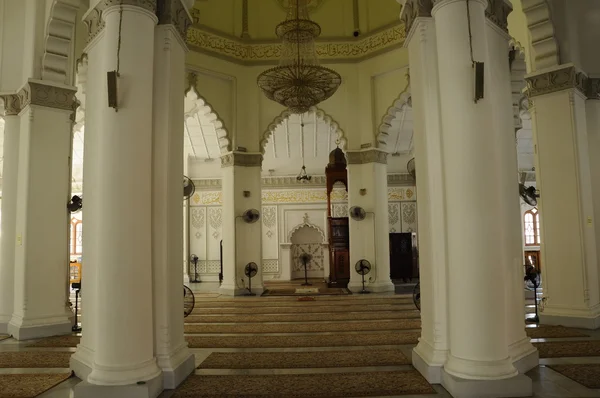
(299, 82)
(302, 176)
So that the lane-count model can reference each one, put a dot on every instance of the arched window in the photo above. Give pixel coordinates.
(531, 219)
(76, 237)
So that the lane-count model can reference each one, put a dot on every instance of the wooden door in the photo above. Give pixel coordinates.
(339, 249)
(401, 257)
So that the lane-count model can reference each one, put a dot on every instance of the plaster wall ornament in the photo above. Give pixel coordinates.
(497, 12)
(95, 22)
(12, 104)
(414, 9)
(312, 5)
(241, 159)
(567, 77)
(245, 34)
(541, 29)
(363, 157)
(173, 12)
(243, 52)
(40, 93)
(57, 61)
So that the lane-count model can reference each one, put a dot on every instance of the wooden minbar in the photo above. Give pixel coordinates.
(339, 237)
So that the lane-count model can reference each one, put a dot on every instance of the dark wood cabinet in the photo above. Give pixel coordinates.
(402, 259)
(339, 248)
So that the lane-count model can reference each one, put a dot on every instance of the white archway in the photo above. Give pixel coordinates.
(543, 38)
(59, 47)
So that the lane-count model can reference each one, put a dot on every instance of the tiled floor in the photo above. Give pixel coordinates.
(547, 383)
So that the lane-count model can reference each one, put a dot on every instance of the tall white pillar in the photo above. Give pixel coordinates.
(242, 242)
(41, 254)
(171, 349)
(431, 353)
(369, 238)
(479, 364)
(523, 355)
(10, 169)
(570, 201)
(118, 257)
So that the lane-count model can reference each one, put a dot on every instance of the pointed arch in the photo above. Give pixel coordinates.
(59, 45)
(202, 107)
(543, 37)
(404, 99)
(309, 225)
(321, 114)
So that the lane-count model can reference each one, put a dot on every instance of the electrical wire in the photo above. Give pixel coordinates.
(470, 33)
(119, 38)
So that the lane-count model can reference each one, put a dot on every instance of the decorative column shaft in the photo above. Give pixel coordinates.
(478, 342)
(170, 347)
(431, 353)
(41, 255)
(242, 242)
(10, 168)
(367, 170)
(118, 264)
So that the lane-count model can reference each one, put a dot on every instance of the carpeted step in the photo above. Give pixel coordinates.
(348, 316)
(562, 349)
(29, 385)
(303, 309)
(587, 375)
(34, 359)
(295, 303)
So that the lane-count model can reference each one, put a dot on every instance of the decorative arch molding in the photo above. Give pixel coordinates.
(59, 44)
(321, 114)
(81, 84)
(309, 225)
(404, 99)
(543, 37)
(518, 70)
(202, 107)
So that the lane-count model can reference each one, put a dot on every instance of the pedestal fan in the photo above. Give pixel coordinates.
(250, 270)
(188, 301)
(533, 280)
(75, 204)
(305, 258)
(188, 188)
(363, 267)
(194, 260)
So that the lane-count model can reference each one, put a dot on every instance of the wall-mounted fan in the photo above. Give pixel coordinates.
(529, 194)
(250, 270)
(251, 216)
(188, 301)
(410, 167)
(363, 267)
(75, 204)
(305, 258)
(357, 213)
(194, 260)
(188, 188)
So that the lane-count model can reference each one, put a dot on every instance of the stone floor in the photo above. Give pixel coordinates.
(547, 383)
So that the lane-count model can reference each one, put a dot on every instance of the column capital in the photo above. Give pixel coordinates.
(12, 104)
(413, 9)
(497, 12)
(565, 77)
(173, 12)
(41, 93)
(241, 159)
(368, 156)
(95, 22)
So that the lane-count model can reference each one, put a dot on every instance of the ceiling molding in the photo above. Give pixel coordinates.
(329, 50)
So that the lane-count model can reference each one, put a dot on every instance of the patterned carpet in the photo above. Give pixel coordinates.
(321, 291)
(344, 316)
(318, 359)
(254, 328)
(586, 375)
(271, 309)
(318, 301)
(28, 385)
(4, 337)
(34, 359)
(557, 349)
(364, 384)
(547, 332)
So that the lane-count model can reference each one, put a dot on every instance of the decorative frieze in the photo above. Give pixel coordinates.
(497, 12)
(12, 104)
(241, 159)
(414, 9)
(370, 156)
(557, 80)
(202, 39)
(37, 92)
(172, 12)
(95, 22)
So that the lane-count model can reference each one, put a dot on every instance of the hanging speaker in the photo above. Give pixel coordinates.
(478, 81)
(111, 79)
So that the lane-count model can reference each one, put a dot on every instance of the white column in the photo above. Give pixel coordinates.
(478, 361)
(369, 238)
(524, 356)
(569, 202)
(118, 199)
(170, 49)
(10, 169)
(242, 242)
(431, 353)
(41, 254)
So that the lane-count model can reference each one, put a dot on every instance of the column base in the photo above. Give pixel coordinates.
(81, 362)
(232, 290)
(517, 386)
(575, 318)
(374, 287)
(177, 366)
(147, 389)
(186, 279)
(26, 329)
(429, 361)
(524, 355)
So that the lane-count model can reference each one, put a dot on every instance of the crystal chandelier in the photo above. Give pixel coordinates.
(299, 82)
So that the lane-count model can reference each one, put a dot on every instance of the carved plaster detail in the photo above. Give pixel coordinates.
(95, 22)
(593, 89)
(41, 94)
(370, 156)
(557, 80)
(12, 104)
(541, 29)
(173, 12)
(497, 12)
(241, 51)
(414, 9)
(241, 159)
